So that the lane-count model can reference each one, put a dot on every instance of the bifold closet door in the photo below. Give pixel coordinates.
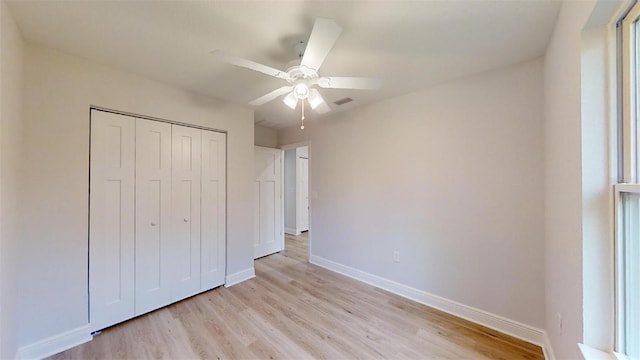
(157, 215)
(186, 171)
(111, 219)
(213, 216)
(153, 253)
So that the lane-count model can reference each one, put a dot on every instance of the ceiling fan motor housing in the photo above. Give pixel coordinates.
(301, 78)
(297, 71)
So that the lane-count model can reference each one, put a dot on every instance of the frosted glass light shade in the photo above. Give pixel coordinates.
(301, 90)
(290, 100)
(315, 98)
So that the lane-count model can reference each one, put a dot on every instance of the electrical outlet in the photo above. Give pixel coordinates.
(396, 256)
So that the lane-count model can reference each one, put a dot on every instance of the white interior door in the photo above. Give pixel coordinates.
(268, 208)
(213, 237)
(185, 245)
(303, 194)
(153, 215)
(111, 226)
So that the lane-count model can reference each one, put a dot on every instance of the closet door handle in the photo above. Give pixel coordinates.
(186, 220)
(153, 223)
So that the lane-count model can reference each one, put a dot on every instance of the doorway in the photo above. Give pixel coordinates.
(296, 196)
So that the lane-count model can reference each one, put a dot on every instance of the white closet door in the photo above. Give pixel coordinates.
(268, 228)
(153, 215)
(111, 234)
(186, 211)
(213, 237)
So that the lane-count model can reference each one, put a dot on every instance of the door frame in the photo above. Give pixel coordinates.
(309, 182)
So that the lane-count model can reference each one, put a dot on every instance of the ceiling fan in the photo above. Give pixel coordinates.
(302, 73)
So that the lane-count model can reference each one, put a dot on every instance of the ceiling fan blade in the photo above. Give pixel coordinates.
(323, 36)
(270, 96)
(344, 82)
(248, 64)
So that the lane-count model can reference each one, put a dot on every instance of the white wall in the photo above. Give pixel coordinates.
(599, 133)
(452, 178)
(264, 136)
(290, 190)
(58, 92)
(11, 57)
(563, 181)
(293, 134)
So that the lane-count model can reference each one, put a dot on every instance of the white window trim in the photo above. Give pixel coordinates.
(619, 189)
(623, 168)
(630, 137)
(629, 94)
(589, 353)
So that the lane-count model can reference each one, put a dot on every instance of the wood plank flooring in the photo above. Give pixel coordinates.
(295, 310)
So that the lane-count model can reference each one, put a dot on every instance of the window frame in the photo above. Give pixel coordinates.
(627, 159)
(620, 189)
(629, 90)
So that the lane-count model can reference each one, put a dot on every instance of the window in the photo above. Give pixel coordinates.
(629, 260)
(628, 195)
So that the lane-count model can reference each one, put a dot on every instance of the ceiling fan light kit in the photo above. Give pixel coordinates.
(301, 90)
(302, 74)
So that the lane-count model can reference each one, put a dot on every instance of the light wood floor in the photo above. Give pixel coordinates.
(295, 310)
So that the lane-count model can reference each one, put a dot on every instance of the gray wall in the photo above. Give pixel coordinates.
(264, 136)
(452, 178)
(11, 59)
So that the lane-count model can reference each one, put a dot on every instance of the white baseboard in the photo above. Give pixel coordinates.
(496, 322)
(55, 344)
(547, 349)
(291, 231)
(239, 277)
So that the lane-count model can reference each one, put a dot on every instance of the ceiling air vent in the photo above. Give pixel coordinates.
(343, 101)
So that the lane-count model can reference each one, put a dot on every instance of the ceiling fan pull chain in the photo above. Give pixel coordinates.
(302, 119)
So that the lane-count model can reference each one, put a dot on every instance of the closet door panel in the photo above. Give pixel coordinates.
(153, 215)
(213, 237)
(186, 170)
(111, 224)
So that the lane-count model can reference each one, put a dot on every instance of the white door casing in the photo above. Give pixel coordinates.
(213, 225)
(268, 207)
(186, 158)
(111, 226)
(153, 215)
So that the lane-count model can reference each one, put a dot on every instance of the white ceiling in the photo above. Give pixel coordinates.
(409, 45)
